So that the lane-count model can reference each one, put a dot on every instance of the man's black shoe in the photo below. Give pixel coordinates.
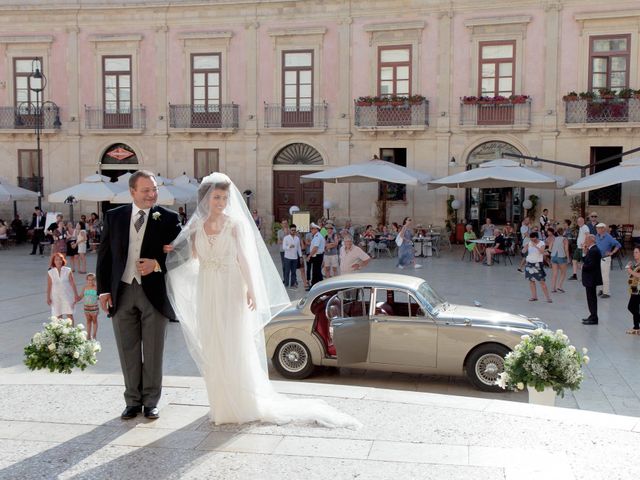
(32, 253)
(151, 413)
(131, 412)
(589, 321)
(600, 293)
(573, 277)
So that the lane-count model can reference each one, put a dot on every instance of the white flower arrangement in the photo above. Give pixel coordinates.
(156, 215)
(60, 347)
(543, 359)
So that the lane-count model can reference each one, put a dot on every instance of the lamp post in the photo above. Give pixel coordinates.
(37, 82)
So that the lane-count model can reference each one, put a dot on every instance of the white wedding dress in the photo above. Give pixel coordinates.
(229, 352)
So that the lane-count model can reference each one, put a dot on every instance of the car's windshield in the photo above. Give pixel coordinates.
(432, 299)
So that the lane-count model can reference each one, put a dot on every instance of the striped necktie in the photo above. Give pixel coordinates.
(139, 220)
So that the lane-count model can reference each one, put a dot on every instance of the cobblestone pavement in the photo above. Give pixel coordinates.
(612, 383)
(68, 426)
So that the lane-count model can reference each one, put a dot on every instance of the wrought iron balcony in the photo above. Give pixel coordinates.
(616, 110)
(399, 114)
(486, 114)
(26, 117)
(281, 116)
(220, 116)
(31, 183)
(101, 119)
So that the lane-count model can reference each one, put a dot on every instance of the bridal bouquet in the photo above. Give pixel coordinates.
(543, 359)
(60, 347)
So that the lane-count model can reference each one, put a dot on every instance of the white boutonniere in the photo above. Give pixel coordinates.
(156, 215)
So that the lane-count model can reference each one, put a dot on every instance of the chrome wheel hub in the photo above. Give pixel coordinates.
(293, 357)
(488, 367)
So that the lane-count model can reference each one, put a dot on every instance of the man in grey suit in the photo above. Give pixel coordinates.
(130, 273)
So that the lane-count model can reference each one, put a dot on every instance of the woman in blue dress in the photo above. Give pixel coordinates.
(406, 256)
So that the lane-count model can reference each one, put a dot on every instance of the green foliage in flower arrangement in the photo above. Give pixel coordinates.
(60, 347)
(543, 359)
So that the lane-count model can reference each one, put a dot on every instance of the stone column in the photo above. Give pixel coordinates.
(161, 122)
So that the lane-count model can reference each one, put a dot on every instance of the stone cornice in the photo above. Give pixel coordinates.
(607, 15)
(26, 39)
(389, 27)
(204, 35)
(133, 37)
(287, 32)
(485, 21)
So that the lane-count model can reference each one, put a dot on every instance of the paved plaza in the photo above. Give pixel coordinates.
(68, 426)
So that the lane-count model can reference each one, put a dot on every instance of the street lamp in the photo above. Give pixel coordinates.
(37, 82)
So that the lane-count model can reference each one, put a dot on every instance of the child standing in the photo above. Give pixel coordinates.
(91, 309)
(62, 293)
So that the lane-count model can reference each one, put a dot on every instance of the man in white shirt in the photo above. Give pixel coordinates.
(583, 231)
(316, 254)
(292, 252)
(352, 257)
(525, 229)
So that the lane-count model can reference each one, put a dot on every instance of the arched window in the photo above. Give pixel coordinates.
(298, 154)
(119, 154)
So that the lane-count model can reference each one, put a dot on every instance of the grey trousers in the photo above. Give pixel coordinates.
(140, 332)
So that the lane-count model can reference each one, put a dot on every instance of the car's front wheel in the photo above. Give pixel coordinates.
(292, 359)
(484, 365)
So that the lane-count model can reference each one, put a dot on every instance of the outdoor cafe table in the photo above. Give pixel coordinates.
(483, 243)
(422, 245)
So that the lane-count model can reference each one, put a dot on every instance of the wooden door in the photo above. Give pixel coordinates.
(288, 191)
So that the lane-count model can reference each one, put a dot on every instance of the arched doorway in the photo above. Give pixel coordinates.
(117, 159)
(502, 205)
(289, 164)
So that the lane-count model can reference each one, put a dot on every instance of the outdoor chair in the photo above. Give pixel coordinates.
(435, 245)
(445, 239)
(381, 247)
(466, 251)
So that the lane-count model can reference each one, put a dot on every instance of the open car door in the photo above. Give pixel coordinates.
(348, 312)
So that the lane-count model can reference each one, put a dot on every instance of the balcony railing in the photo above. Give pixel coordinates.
(392, 115)
(281, 116)
(224, 116)
(101, 119)
(495, 113)
(31, 183)
(618, 110)
(25, 118)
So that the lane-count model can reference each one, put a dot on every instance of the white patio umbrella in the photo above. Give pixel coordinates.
(627, 171)
(11, 193)
(167, 195)
(500, 173)
(371, 171)
(124, 179)
(94, 188)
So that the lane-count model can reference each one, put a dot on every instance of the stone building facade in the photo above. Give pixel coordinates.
(267, 90)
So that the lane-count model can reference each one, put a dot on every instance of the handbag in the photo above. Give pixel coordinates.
(399, 240)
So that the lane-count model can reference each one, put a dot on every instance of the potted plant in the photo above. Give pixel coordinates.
(469, 100)
(636, 94)
(546, 363)
(396, 100)
(380, 101)
(606, 93)
(515, 99)
(588, 95)
(499, 99)
(365, 101)
(626, 93)
(570, 97)
(416, 99)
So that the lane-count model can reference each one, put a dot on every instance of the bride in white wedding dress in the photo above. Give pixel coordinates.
(225, 288)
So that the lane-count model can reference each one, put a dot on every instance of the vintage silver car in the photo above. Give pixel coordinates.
(395, 323)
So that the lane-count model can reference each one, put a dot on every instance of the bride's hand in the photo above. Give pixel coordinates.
(167, 248)
(251, 301)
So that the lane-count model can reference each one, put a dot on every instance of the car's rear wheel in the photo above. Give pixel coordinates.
(484, 365)
(292, 359)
